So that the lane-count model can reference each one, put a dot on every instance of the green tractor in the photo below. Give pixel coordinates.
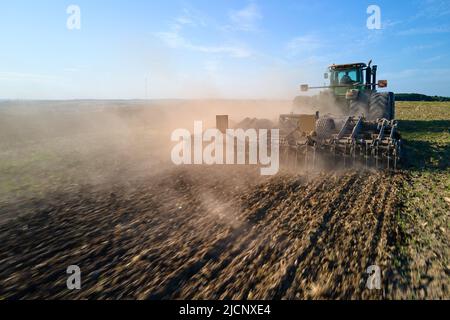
(349, 120)
(348, 123)
(353, 91)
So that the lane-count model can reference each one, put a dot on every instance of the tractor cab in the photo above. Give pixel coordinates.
(344, 77)
(353, 86)
(347, 79)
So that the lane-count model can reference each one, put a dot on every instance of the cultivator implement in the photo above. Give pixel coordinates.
(356, 142)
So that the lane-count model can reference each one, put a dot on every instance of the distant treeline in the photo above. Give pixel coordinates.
(418, 97)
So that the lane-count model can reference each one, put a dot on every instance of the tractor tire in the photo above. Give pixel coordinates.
(381, 106)
(359, 108)
(325, 127)
(392, 107)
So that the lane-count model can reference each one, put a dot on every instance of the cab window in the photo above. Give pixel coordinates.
(348, 76)
(345, 77)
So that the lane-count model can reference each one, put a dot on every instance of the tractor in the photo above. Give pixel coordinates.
(361, 125)
(349, 122)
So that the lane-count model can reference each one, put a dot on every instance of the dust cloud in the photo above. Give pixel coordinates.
(48, 146)
(92, 181)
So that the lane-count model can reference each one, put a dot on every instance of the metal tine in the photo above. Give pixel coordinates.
(376, 157)
(388, 156)
(395, 157)
(366, 155)
(314, 157)
(296, 158)
(306, 158)
(354, 154)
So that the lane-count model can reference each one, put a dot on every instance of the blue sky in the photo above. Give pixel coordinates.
(215, 49)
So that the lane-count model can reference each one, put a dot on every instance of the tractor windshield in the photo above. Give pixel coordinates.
(345, 77)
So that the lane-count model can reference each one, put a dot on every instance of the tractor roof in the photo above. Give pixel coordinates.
(348, 66)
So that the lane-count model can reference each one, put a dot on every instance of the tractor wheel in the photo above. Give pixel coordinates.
(325, 128)
(392, 105)
(381, 106)
(360, 107)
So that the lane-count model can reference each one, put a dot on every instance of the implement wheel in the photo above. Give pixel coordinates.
(325, 127)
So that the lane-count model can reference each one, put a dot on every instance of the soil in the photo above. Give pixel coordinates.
(207, 233)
